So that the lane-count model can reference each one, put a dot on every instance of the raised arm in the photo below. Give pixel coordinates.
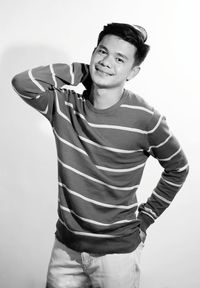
(41, 79)
(166, 149)
(36, 86)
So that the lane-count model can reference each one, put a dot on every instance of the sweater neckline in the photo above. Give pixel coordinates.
(109, 109)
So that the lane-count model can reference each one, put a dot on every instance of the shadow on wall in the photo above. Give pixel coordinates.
(28, 175)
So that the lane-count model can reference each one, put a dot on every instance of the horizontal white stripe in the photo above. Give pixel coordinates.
(128, 207)
(137, 108)
(69, 104)
(35, 81)
(161, 198)
(96, 180)
(108, 148)
(95, 222)
(58, 109)
(121, 170)
(71, 74)
(148, 214)
(116, 127)
(161, 144)
(53, 75)
(23, 96)
(97, 166)
(69, 144)
(156, 126)
(170, 157)
(148, 210)
(171, 183)
(81, 116)
(124, 128)
(183, 168)
(85, 233)
(45, 111)
(26, 97)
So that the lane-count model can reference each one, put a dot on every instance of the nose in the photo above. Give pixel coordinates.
(106, 61)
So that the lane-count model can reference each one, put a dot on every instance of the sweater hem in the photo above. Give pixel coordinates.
(102, 246)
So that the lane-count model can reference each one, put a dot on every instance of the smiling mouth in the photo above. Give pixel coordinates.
(100, 71)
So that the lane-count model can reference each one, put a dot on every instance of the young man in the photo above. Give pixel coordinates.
(103, 138)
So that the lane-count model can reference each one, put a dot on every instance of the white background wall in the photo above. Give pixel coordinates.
(39, 32)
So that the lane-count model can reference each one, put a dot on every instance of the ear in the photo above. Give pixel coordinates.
(134, 71)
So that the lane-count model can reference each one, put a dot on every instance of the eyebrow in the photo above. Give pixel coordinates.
(118, 53)
(122, 55)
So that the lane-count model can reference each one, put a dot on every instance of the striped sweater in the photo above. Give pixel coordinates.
(101, 158)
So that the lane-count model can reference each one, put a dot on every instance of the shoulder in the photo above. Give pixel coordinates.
(138, 108)
(136, 103)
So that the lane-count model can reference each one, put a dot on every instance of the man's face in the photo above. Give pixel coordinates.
(112, 62)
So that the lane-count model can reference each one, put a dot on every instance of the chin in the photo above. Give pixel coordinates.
(102, 83)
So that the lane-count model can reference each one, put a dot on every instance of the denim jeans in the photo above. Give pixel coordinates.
(72, 269)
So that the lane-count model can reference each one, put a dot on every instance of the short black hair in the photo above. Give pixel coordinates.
(134, 34)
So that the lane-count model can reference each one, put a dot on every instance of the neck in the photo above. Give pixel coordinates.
(103, 98)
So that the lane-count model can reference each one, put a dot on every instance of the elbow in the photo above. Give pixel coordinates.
(15, 82)
(18, 83)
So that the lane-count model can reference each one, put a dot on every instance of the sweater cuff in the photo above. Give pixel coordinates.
(145, 221)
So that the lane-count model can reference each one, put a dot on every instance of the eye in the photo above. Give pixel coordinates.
(119, 60)
(101, 51)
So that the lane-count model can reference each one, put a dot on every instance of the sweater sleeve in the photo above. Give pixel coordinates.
(163, 146)
(38, 86)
